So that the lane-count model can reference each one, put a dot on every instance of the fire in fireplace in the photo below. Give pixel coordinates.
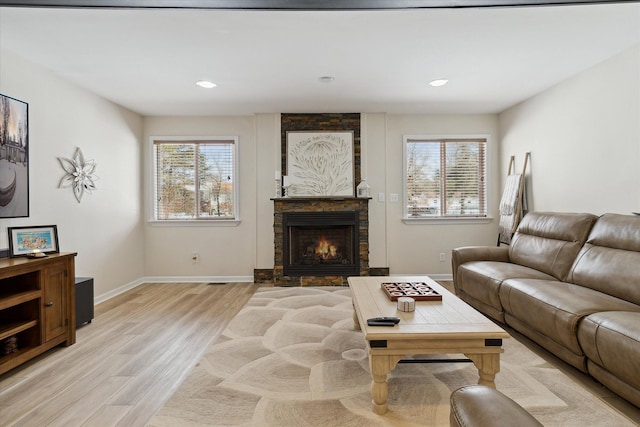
(320, 243)
(324, 251)
(310, 246)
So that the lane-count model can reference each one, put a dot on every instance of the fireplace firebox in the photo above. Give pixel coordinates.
(320, 244)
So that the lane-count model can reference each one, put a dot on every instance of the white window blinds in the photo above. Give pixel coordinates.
(445, 177)
(195, 180)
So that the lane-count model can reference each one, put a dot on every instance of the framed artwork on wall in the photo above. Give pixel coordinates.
(33, 241)
(14, 158)
(320, 164)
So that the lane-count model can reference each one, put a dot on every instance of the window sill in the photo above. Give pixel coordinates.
(196, 223)
(441, 220)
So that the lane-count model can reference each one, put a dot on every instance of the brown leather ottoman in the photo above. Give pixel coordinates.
(478, 406)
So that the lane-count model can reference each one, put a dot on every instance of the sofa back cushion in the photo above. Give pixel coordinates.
(550, 241)
(610, 259)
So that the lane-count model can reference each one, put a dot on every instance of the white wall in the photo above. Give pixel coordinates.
(373, 137)
(267, 162)
(415, 248)
(232, 253)
(105, 229)
(584, 139)
(224, 251)
(584, 136)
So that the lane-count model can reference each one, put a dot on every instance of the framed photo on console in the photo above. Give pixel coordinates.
(35, 241)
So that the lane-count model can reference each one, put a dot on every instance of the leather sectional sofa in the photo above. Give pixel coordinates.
(571, 283)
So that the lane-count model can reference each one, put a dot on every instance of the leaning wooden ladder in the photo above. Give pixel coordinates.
(513, 202)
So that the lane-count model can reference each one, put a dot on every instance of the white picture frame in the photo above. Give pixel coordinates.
(320, 164)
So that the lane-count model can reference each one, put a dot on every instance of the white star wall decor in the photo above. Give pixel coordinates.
(79, 174)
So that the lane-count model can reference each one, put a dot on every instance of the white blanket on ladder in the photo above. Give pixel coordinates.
(510, 210)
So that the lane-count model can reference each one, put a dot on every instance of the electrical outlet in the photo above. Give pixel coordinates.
(381, 197)
(441, 256)
(195, 257)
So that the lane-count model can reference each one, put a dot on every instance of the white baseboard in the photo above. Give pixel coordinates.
(197, 279)
(210, 279)
(115, 292)
(448, 277)
(169, 279)
(435, 277)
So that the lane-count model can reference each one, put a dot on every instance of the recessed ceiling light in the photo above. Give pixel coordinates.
(438, 82)
(326, 79)
(206, 84)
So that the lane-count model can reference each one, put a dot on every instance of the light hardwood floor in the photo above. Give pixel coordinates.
(127, 362)
(136, 353)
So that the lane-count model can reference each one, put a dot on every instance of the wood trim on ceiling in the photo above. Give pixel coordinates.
(295, 4)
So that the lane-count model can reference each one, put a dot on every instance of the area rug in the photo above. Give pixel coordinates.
(292, 357)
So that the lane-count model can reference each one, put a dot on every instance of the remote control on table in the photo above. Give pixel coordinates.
(383, 321)
(395, 320)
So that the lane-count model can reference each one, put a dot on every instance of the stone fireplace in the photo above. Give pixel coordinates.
(320, 244)
(338, 226)
(320, 241)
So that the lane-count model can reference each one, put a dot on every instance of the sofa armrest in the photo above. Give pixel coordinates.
(481, 406)
(477, 253)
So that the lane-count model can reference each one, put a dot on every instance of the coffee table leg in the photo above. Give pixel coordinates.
(380, 366)
(356, 324)
(488, 365)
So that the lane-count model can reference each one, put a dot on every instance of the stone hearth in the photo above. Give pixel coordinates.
(316, 204)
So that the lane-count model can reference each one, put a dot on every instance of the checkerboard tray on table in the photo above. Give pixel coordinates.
(419, 291)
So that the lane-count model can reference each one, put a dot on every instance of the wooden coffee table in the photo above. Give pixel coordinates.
(450, 326)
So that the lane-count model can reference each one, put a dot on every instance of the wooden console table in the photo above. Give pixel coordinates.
(37, 307)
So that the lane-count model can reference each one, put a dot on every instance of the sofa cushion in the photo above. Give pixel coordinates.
(465, 254)
(555, 308)
(481, 281)
(550, 241)
(612, 341)
(610, 259)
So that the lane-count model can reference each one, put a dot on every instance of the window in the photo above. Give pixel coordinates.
(445, 177)
(195, 179)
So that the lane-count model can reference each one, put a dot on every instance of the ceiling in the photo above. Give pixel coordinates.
(267, 61)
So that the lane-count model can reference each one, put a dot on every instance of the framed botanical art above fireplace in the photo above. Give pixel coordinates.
(320, 164)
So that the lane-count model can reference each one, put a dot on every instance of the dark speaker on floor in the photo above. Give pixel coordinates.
(84, 300)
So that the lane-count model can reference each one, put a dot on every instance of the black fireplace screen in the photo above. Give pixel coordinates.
(320, 243)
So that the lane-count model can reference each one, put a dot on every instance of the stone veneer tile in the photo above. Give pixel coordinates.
(292, 122)
(324, 204)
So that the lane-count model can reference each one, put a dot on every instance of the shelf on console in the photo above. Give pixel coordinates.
(12, 300)
(13, 328)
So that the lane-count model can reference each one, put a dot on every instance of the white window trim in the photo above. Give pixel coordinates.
(451, 220)
(193, 222)
(406, 219)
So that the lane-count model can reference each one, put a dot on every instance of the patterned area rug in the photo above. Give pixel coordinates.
(291, 357)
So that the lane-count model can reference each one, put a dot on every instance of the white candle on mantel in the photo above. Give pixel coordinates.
(277, 174)
(285, 181)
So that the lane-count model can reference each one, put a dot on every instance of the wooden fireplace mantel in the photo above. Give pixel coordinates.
(316, 198)
(318, 204)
